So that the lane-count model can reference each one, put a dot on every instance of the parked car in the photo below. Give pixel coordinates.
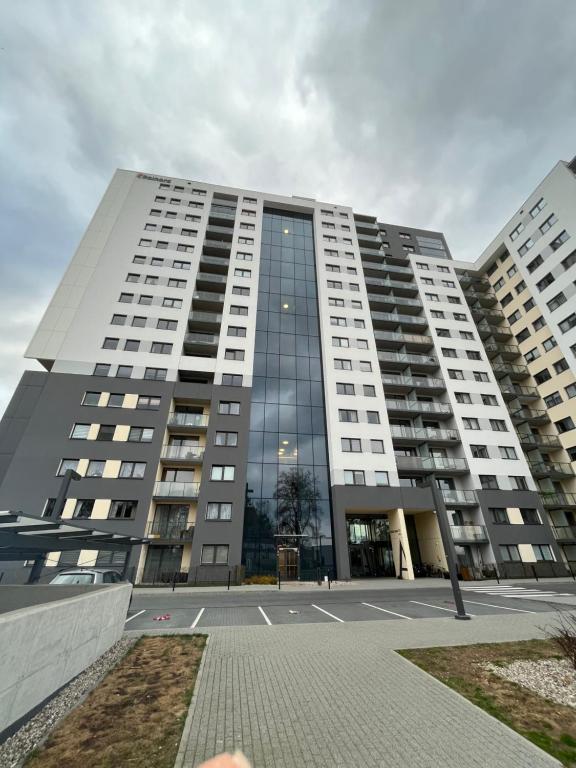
(87, 576)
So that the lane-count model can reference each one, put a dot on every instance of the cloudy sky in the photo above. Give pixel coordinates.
(441, 114)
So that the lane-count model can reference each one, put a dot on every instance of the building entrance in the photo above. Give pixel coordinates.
(288, 563)
(369, 547)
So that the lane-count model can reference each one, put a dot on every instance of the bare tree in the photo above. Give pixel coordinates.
(297, 503)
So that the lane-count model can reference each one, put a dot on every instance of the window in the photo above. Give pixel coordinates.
(481, 376)
(122, 510)
(340, 364)
(347, 415)
(437, 315)
(369, 390)
(354, 477)
(515, 232)
(460, 317)
(564, 425)
(454, 300)
(355, 304)
(552, 399)
(232, 379)
(148, 403)
(332, 268)
(560, 240)
(65, 465)
(373, 417)
(229, 439)
(525, 247)
(351, 445)
(138, 322)
(156, 261)
(151, 280)
(242, 272)
(570, 390)
(470, 423)
(545, 282)
(473, 355)
(243, 256)
(214, 554)
(133, 469)
(115, 400)
(156, 374)
(560, 366)
(174, 303)
(80, 432)
(377, 446)
(540, 205)
(365, 366)
(218, 510)
(543, 552)
(427, 281)
(145, 243)
(236, 330)
(124, 371)
(489, 400)
(110, 343)
(234, 354)
(510, 553)
(532, 354)
(514, 317)
(174, 283)
(344, 389)
(91, 398)
(538, 323)
(542, 376)
(222, 472)
(508, 452)
(512, 271)
(362, 343)
(443, 333)
(340, 341)
(518, 482)
(498, 425)
(336, 302)
(140, 434)
(488, 482)
(131, 345)
(556, 301)
(568, 323)
(144, 299)
(463, 397)
(530, 517)
(569, 261)
(448, 352)
(359, 323)
(534, 264)
(506, 300)
(381, 478)
(101, 369)
(180, 264)
(448, 284)
(238, 310)
(118, 319)
(519, 287)
(106, 432)
(499, 515)
(95, 468)
(466, 335)
(166, 325)
(523, 335)
(499, 284)
(83, 508)
(479, 452)
(160, 348)
(453, 373)
(550, 342)
(246, 240)
(432, 296)
(229, 408)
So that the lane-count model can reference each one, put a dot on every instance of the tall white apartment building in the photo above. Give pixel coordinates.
(258, 384)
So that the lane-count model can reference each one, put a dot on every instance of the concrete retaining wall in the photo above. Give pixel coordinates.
(44, 646)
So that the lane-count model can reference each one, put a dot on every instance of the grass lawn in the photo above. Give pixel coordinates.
(549, 725)
(135, 716)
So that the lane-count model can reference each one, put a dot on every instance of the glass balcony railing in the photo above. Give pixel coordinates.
(459, 498)
(391, 317)
(415, 382)
(469, 533)
(417, 406)
(170, 529)
(564, 532)
(530, 440)
(404, 338)
(424, 434)
(182, 453)
(176, 490)
(178, 419)
(408, 359)
(558, 500)
(551, 468)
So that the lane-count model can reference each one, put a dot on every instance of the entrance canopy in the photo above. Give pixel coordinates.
(25, 537)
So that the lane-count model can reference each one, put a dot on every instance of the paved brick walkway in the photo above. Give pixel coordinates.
(329, 695)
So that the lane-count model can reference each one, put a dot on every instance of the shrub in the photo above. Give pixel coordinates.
(564, 635)
(260, 580)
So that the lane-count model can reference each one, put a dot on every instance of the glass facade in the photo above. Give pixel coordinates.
(288, 513)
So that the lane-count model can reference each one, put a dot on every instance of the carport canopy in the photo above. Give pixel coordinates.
(25, 537)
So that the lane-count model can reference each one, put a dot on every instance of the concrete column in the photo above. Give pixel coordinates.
(399, 537)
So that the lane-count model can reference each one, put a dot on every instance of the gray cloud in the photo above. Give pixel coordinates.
(433, 113)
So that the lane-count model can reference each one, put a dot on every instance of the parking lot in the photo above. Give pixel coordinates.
(173, 611)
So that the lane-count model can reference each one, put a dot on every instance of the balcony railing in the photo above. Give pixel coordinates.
(430, 464)
(459, 498)
(558, 500)
(201, 339)
(408, 359)
(182, 453)
(177, 419)
(401, 301)
(418, 406)
(391, 317)
(530, 440)
(424, 434)
(469, 533)
(413, 382)
(564, 532)
(211, 318)
(509, 369)
(176, 490)
(170, 529)
(404, 338)
(517, 390)
(224, 245)
(551, 468)
(530, 414)
(509, 351)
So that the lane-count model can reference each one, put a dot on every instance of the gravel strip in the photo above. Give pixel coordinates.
(16, 749)
(553, 679)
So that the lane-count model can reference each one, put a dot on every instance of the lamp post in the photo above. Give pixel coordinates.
(40, 560)
(448, 544)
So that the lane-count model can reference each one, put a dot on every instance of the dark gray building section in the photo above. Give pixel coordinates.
(17, 416)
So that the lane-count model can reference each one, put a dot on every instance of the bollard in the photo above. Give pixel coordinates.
(174, 582)
(534, 572)
(229, 572)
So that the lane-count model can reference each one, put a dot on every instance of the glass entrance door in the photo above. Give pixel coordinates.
(370, 547)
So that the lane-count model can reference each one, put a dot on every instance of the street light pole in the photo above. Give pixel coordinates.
(40, 560)
(448, 544)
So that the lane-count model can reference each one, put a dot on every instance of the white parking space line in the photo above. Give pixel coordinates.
(328, 614)
(266, 619)
(504, 607)
(197, 619)
(438, 607)
(401, 615)
(133, 617)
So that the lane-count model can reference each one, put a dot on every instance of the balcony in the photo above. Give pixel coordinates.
(530, 415)
(204, 344)
(373, 239)
(222, 213)
(480, 313)
(381, 270)
(181, 454)
(460, 498)
(187, 421)
(387, 319)
(402, 435)
(207, 300)
(199, 320)
(407, 383)
(515, 372)
(214, 264)
(558, 500)
(409, 340)
(402, 360)
(512, 391)
(381, 285)
(218, 229)
(505, 351)
(164, 489)
(484, 298)
(566, 533)
(215, 247)
(427, 464)
(530, 441)
(440, 410)
(171, 530)
(411, 306)
(500, 333)
(468, 534)
(555, 470)
(206, 281)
